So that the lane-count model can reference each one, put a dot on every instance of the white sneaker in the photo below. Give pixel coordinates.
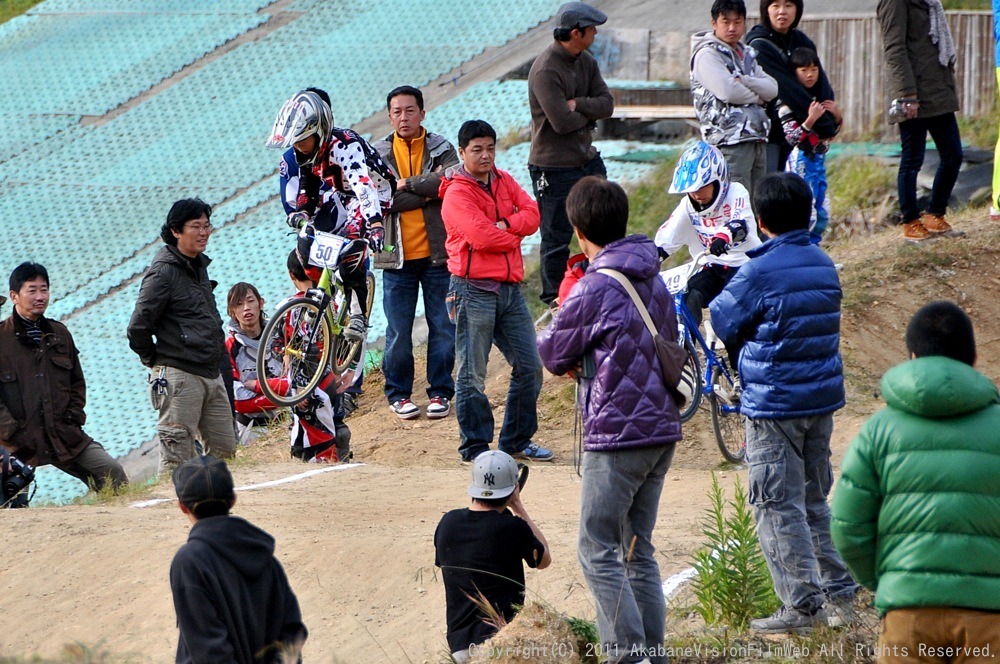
(357, 328)
(439, 407)
(404, 409)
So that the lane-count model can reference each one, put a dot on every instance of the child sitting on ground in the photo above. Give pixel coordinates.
(808, 156)
(318, 431)
(246, 323)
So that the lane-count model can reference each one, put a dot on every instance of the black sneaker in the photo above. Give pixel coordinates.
(349, 403)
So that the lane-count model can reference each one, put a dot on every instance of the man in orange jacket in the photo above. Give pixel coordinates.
(487, 215)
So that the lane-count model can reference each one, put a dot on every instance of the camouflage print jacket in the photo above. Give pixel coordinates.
(730, 91)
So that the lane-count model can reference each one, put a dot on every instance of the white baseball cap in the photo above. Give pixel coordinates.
(494, 475)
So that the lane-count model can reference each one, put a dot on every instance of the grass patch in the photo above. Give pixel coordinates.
(980, 131)
(129, 493)
(558, 399)
(11, 8)
(649, 203)
(967, 4)
(858, 181)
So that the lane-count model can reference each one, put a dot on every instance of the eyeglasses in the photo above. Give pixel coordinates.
(198, 228)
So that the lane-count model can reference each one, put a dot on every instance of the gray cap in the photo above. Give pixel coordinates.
(494, 475)
(579, 15)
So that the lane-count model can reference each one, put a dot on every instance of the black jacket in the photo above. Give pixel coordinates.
(773, 51)
(176, 305)
(42, 393)
(231, 595)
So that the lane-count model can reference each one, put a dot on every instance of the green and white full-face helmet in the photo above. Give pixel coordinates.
(302, 116)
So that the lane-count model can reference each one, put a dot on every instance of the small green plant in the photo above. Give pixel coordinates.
(586, 634)
(732, 583)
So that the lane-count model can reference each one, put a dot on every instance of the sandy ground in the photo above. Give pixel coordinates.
(357, 542)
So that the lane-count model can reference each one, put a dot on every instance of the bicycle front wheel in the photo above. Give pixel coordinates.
(691, 382)
(294, 352)
(347, 350)
(728, 423)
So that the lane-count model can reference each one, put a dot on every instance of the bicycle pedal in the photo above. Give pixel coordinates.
(721, 393)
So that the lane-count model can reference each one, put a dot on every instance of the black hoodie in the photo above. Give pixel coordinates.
(773, 52)
(231, 595)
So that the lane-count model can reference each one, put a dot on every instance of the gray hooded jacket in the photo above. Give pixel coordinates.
(730, 91)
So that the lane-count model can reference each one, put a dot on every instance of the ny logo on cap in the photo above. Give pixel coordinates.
(489, 479)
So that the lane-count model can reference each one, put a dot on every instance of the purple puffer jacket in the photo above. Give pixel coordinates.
(626, 405)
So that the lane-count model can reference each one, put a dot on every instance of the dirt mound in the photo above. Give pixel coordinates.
(538, 634)
(357, 542)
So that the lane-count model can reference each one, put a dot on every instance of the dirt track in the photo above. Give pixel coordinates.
(357, 543)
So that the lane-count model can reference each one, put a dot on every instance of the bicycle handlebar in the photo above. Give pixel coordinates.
(697, 263)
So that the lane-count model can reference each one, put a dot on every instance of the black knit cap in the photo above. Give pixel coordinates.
(202, 480)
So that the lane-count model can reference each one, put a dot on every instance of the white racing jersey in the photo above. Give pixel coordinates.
(730, 216)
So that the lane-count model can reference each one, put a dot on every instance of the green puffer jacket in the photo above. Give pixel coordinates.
(916, 514)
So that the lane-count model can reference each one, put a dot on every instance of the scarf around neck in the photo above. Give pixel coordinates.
(941, 34)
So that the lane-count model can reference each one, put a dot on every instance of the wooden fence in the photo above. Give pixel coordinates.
(850, 47)
(851, 50)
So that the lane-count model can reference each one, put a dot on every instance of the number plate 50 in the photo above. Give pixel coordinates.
(325, 250)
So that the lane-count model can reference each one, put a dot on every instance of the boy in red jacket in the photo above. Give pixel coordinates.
(487, 214)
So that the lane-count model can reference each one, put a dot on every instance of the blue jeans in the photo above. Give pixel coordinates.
(913, 139)
(790, 478)
(812, 169)
(399, 301)
(556, 229)
(619, 498)
(481, 320)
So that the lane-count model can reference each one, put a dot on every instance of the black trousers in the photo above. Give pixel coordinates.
(702, 288)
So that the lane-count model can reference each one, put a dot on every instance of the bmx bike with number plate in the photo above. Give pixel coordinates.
(305, 336)
(716, 384)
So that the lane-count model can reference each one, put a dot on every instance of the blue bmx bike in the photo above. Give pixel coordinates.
(716, 383)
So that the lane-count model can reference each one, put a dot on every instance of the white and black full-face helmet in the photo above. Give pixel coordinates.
(302, 116)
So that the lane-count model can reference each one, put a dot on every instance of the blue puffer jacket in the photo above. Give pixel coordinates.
(626, 404)
(783, 307)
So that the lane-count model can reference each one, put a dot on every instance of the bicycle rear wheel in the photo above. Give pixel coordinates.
(690, 385)
(347, 350)
(727, 422)
(294, 352)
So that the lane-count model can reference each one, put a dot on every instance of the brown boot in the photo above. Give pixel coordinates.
(934, 223)
(915, 231)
